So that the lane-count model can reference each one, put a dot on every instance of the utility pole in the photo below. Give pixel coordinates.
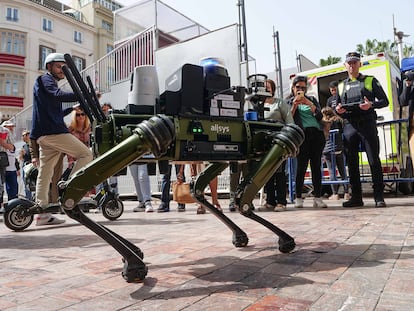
(399, 35)
(243, 37)
(278, 67)
(298, 62)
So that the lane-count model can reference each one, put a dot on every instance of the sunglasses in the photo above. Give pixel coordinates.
(299, 87)
(80, 114)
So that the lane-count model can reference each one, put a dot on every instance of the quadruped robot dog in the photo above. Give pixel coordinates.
(198, 118)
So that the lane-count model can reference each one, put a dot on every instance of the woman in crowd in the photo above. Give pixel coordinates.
(79, 126)
(307, 114)
(276, 110)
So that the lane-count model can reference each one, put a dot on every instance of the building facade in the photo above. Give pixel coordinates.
(31, 29)
(99, 13)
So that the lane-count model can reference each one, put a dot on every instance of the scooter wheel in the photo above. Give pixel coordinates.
(14, 219)
(113, 209)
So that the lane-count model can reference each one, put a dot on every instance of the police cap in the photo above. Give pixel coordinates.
(352, 56)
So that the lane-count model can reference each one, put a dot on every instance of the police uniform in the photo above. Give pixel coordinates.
(360, 127)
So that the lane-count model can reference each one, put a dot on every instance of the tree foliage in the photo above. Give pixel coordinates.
(329, 61)
(374, 46)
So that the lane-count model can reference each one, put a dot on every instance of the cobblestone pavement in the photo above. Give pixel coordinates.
(345, 259)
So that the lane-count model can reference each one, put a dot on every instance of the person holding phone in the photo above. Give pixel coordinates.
(307, 114)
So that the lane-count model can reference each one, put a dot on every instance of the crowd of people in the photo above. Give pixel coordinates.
(336, 133)
(333, 135)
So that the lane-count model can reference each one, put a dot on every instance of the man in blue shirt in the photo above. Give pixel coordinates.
(51, 132)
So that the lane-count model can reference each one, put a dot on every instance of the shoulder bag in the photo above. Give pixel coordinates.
(4, 159)
(181, 190)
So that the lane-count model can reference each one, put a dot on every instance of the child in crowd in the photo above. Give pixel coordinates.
(334, 150)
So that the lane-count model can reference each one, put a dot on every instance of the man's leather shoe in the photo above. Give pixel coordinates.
(380, 203)
(353, 203)
(163, 208)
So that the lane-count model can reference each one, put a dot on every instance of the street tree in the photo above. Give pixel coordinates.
(329, 61)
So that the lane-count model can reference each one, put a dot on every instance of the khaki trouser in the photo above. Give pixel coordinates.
(51, 149)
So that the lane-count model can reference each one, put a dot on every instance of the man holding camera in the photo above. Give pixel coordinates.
(358, 97)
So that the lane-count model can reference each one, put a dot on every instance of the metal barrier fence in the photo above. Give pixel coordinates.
(396, 163)
(394, 154)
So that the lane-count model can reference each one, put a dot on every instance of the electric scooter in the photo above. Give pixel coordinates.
(19, 214)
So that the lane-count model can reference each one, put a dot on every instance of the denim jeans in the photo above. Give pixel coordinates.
(12, 186)
(141, 181)
(2, 184)
(166, 185)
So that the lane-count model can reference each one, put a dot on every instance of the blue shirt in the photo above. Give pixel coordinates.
(47, 107)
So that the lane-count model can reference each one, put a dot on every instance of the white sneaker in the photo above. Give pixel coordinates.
(52, 220)
(334, 197)
(317, 202)
(148, 207)
(347, 197)
(139, 208)
(299, 203)
(280, 208)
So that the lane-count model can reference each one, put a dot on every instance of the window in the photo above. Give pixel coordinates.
(12, 42)
(12, 84)
(106, 25)
(77, 36)
(80, 63)
(109, 48)
(12, 14)
(110, 5)
(83, 3)
(47, 25)
(43, 52)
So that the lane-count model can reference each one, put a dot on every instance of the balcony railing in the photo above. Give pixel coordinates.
(117, 65)
(113, 68)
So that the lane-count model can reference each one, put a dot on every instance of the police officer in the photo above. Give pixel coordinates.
(358, 97)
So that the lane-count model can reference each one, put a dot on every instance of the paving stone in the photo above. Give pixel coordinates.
(345, 259)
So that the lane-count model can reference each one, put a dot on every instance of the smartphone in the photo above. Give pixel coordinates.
(300, 93)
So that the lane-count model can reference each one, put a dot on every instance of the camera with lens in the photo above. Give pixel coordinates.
(257, 93)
